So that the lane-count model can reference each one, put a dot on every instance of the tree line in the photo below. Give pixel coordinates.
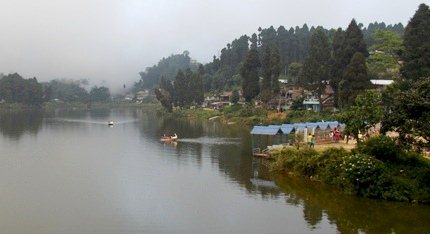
(16, 89)
(223, 73)
(404, 107)
(186, 90)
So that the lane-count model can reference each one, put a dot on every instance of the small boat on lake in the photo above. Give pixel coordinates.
(110, 123)
(169, 138)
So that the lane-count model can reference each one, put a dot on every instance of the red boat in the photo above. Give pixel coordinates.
(165, 138)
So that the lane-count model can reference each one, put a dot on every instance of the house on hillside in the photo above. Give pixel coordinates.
(312, 104)
(141, 95)
(219, 100)
(381, 84)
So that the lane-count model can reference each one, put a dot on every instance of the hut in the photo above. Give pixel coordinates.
(272, 136)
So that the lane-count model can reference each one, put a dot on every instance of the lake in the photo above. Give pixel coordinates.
(66, 171)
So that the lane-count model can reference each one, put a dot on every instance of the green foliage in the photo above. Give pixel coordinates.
(298, 140)
(369, 32)
(99, 94)
(266, 70)
(355, 80)
(250, 78)
(243, 111)
(359, 173)
(316, 65)
(186, 91)
(383, 147)
(383, 63)
(301, 116)
(166, 67)
(68, 91)
(407, 112)
(295, 161)
(297, 104)
(366, 113)
(416, 55)
(15, 89)
(348, 67)
(275, 63)
(235, 96)
(294, 72)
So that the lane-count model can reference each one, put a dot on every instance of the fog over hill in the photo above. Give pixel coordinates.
(110, 42)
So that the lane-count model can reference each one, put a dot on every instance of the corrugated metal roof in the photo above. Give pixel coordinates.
(322, 125)
(288, 128)
(266, 130)
(333, 124)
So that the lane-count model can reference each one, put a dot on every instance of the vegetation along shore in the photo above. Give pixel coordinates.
(375, 80)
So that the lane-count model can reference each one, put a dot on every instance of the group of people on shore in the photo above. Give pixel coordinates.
(311, 140)
(334, 135)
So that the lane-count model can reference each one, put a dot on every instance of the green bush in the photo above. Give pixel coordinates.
(383, 148)
(243, 111)
(294, 116)
(329, 165)
(297, 161)
(359, 173)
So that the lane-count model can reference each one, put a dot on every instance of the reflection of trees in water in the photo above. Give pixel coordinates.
(14, 124)
(312, 214)
(352, 214)
(233, 160)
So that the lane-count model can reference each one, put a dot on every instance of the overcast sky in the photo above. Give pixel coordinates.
(113, 40)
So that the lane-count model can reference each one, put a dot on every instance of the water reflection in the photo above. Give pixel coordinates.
(352, 214)
(14, 124)
(140, 177)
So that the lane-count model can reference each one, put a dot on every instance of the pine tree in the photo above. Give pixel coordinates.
(275, 62)
(353, 42)
(345, 45)
(254, 41)
(416, 55)
(250, 78)
(316, 66)
(196, 88)
(336, 67)
(180, 89)
(266, 70)
(355, 80)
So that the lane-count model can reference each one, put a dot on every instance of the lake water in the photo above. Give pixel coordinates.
(68, 172)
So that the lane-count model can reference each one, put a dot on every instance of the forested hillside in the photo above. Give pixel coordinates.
(292, 45)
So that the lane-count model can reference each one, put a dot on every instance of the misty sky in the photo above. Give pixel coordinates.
(110, 41)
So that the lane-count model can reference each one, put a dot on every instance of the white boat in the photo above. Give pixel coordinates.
(110, 123)
(165, 138)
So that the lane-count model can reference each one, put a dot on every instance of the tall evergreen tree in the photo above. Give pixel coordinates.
(316, 66)
(275, 63)
(266, 70)
(336, 65)
(249, 73)
(254, 41)
(355, 80)
(353, 42)
(343, 52)
(196, 88)
(416, 55)
(181, 89)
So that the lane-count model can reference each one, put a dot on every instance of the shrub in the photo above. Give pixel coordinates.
(329, 164)
(383, 148)
(359, 172)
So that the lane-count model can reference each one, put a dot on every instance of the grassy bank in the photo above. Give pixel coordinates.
(375, 169)
(249, 115)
